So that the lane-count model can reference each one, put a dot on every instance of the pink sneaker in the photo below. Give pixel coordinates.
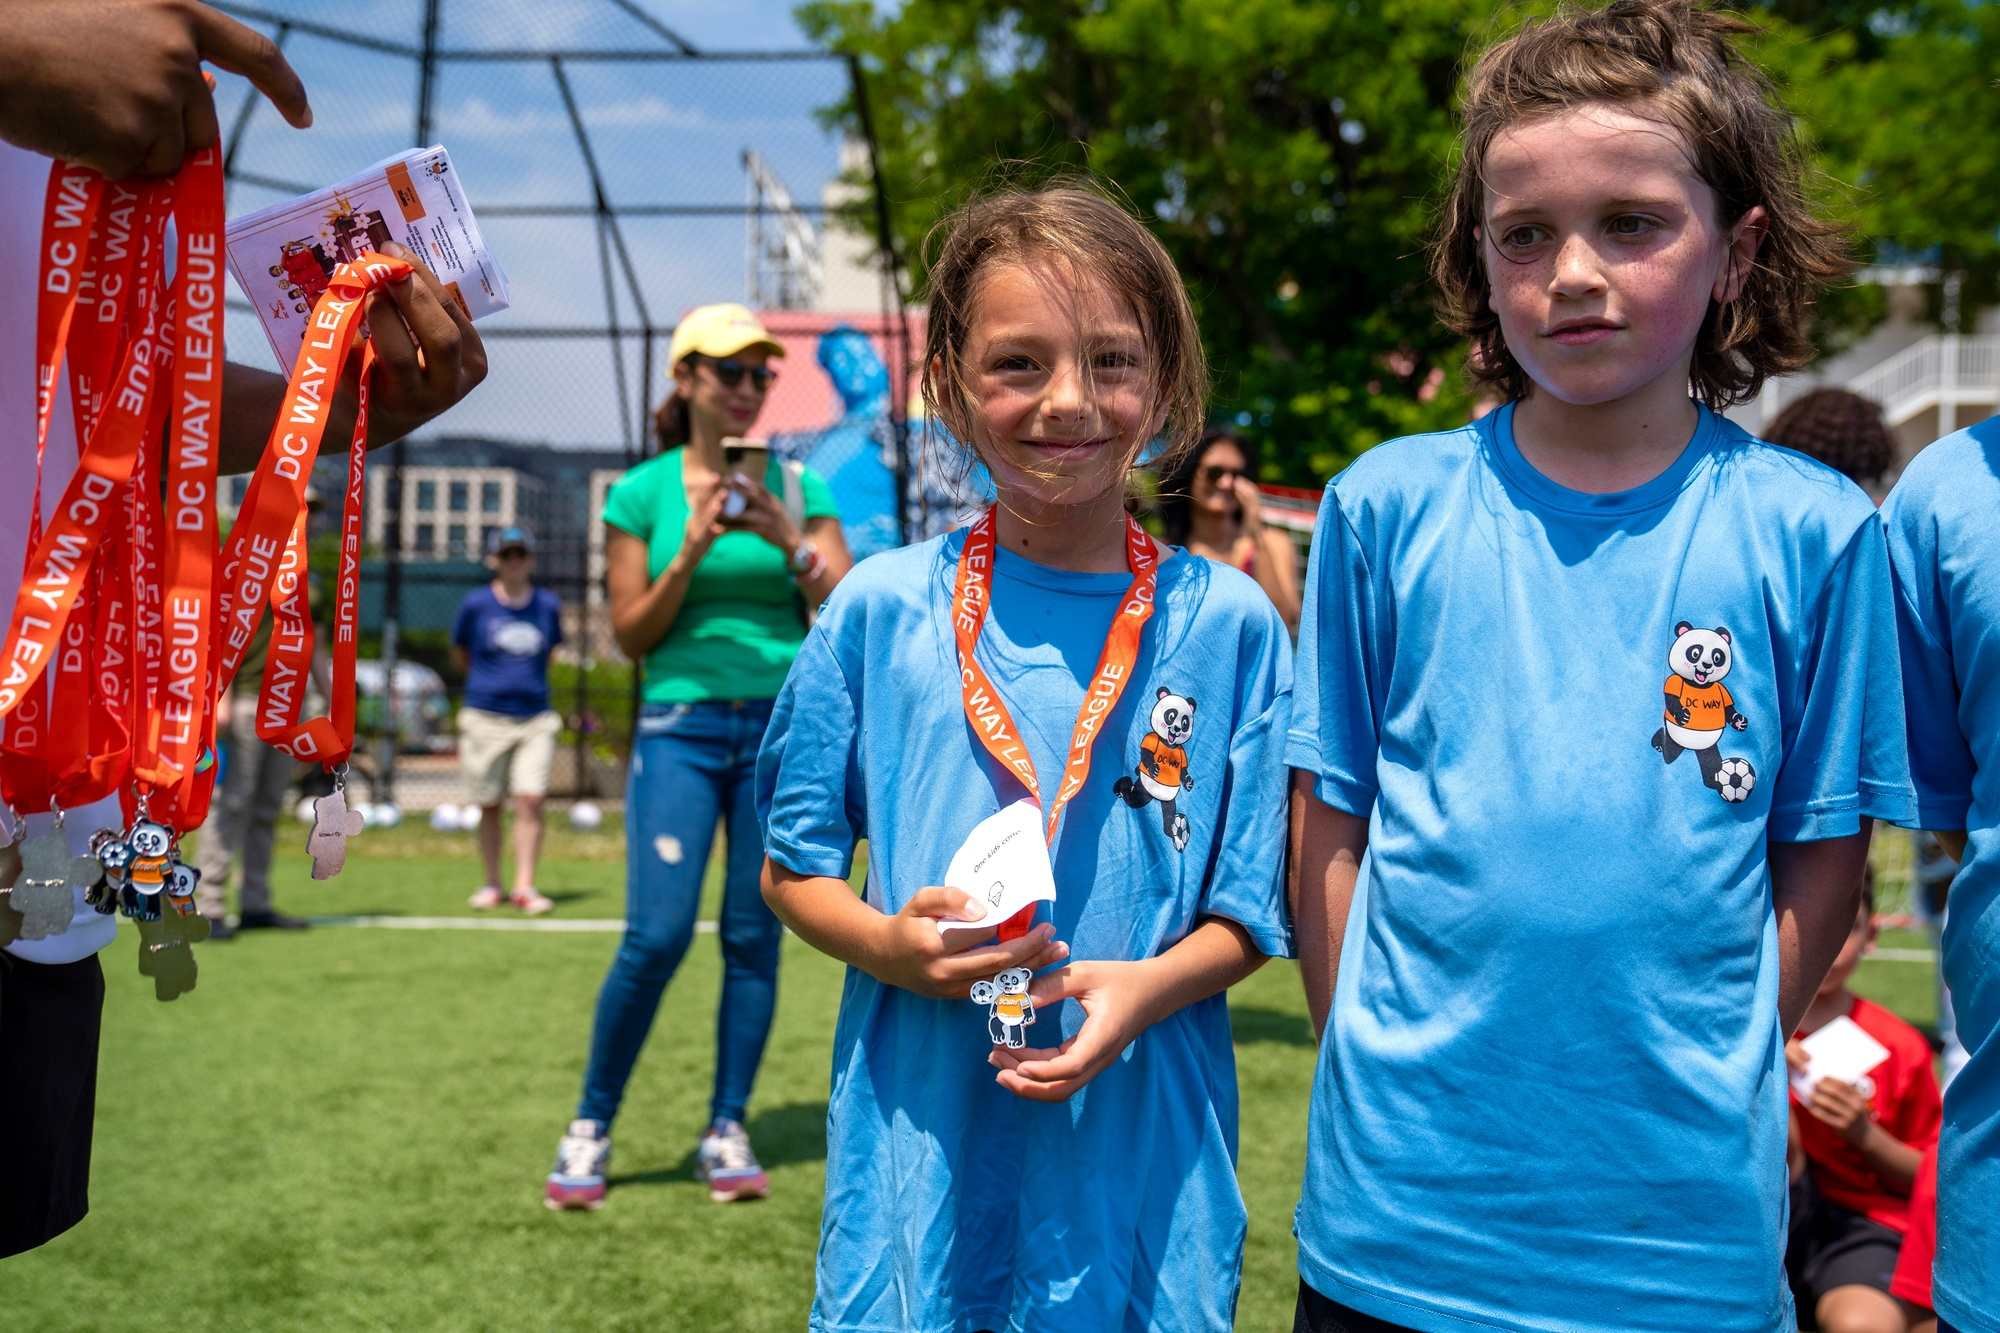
(532, 902)
(487, 898)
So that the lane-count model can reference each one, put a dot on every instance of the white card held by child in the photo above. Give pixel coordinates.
(1839, 1050)
(1004, 863)
(284, 256)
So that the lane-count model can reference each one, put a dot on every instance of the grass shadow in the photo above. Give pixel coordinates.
(1250, 1023)
(783, 1136)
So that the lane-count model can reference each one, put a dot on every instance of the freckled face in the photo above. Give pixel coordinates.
(1603, 251)
(1061, 384)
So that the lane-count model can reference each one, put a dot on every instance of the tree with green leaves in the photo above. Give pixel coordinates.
(1285, 153)
(1901, 104)
(1289, 154)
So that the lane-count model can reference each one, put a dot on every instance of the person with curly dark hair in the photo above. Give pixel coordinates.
(1843, 430)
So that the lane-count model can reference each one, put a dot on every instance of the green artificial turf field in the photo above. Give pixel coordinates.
(348, 1128)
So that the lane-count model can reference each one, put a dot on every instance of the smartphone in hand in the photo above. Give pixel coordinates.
(743, 464)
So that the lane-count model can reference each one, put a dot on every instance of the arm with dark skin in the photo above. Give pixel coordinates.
(427, 357)
(1815, 891)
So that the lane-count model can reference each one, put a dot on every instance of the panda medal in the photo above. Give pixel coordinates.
(1010, 1008)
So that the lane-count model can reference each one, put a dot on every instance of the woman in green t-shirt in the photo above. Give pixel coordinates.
(710, 573)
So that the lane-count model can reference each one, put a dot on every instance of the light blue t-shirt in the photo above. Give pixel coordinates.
(951, 1204)
(1944, 543)
(1552, 1095)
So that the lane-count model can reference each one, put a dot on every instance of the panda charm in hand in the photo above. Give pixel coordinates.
(1700, 708)
(1163, 771)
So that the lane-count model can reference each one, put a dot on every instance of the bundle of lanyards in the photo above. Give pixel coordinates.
(134, 613)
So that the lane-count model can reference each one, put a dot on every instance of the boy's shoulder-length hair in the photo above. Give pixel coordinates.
(1675, 61)
(1076, 229)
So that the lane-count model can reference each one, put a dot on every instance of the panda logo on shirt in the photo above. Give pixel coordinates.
(1162, 772)
(1700, 708)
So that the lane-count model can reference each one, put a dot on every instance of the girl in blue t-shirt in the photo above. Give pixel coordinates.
(1598, 695)
(1076, 1172)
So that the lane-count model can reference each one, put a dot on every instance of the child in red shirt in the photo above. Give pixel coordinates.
(1861, 1148)
(1912, 1283)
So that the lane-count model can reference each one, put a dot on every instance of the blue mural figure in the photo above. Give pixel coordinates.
(857, 453)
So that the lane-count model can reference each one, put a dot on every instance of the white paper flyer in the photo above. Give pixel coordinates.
(1004, 863)
(283, 256)
(1842, 1050)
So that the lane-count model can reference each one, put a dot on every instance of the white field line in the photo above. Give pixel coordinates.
(552, 925)
(544, 925)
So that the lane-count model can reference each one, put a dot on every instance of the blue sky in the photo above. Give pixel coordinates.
(664, 133)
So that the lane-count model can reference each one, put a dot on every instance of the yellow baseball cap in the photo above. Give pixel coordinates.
(718, 330)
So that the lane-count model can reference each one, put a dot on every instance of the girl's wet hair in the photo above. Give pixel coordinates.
(1674, 61)
(1074, 231)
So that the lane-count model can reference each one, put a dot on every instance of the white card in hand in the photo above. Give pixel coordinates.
(1839, 1050)
(1004, 864)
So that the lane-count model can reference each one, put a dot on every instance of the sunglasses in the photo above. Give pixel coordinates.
(1216, 473)
(730, 372)
(514, 553)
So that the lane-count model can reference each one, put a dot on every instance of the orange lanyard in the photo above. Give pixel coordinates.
(265, 561)
(61, 552)
(986, 710)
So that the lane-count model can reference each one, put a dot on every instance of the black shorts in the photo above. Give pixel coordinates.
(1831, 1247)
(1317, 1314)
(49, 1021)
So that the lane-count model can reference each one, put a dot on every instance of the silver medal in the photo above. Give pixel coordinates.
(44, 895)
(333, 825)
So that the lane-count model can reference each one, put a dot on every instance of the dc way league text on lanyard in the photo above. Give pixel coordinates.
(133, 616)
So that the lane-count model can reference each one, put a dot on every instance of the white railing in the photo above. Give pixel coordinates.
(1941, 368)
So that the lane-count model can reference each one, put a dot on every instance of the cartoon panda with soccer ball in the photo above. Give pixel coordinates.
(1162, 772)
(1010, 1010)
(1700, 708)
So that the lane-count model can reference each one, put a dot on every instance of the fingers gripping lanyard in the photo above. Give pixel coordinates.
(993, 724)
(265, 559)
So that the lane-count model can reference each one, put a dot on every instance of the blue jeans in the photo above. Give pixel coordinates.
(692, 765)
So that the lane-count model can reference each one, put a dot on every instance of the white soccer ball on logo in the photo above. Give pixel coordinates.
(1735, 779)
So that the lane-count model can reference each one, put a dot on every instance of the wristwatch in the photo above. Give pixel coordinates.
(803, 556)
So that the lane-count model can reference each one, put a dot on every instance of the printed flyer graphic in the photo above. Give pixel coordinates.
(283, 256)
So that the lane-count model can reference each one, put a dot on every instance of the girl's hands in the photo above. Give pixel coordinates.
(910, 951)
(1119, 1002)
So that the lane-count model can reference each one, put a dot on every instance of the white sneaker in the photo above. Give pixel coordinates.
(582, 1158)
(725, 1161)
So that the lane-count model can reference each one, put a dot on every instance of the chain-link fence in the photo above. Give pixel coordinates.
(620, 176)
